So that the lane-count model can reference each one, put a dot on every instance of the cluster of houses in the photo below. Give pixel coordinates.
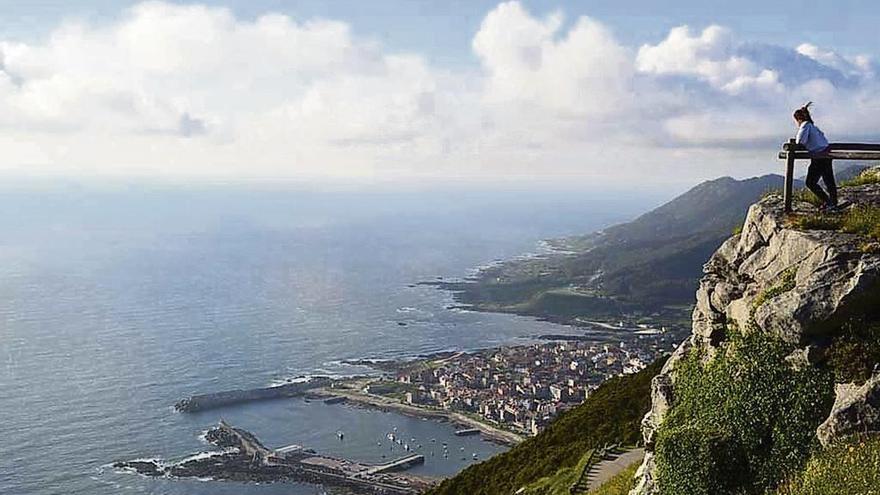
(523, 387)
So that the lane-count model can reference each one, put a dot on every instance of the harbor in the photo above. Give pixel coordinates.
(243, 457)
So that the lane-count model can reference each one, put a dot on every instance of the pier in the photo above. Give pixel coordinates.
(402, 463)
(214, 400)
(246, 459)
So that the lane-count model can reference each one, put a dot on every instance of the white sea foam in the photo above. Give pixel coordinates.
(206, 455)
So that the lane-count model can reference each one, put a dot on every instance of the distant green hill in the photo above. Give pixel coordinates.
(647, 265)
(611, 414)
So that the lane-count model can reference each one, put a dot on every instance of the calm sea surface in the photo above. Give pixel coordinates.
(115, 303)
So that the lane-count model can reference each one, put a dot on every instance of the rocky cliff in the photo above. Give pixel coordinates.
(776, 366)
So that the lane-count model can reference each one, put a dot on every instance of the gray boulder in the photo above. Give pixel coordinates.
(856, 410)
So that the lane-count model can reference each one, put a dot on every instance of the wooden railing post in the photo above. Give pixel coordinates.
(789, 175)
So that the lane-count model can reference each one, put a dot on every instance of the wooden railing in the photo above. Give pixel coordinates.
(792, 151)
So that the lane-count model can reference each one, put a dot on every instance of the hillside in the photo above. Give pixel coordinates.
(605, 273)
(650, 265)
(776, 390)
(779, 371)
(611, 413)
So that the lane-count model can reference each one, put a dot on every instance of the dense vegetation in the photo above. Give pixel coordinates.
(743, 420)
(849, 467)
(611, 414)
(854, 351)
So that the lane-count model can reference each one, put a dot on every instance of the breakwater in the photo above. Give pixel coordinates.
(244, 458)
(214, 400)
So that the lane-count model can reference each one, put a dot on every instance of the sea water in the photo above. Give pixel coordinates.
(116, 301)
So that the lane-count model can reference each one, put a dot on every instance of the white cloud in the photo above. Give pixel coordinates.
(711, 57)
(583, 71)
(191, 90)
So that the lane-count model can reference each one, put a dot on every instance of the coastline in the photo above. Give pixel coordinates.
(352, 392)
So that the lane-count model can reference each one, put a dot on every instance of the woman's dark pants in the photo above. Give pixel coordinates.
(820, 168)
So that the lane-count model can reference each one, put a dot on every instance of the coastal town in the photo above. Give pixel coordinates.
(519, 388)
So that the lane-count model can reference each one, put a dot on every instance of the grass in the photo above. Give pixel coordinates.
(870, 176)
(394, 390)
(851, 468)
(802, 194)
(806, 196)
(559, 482)
(620, 484)
(861, 220)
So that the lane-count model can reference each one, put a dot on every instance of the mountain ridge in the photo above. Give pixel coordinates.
(599, 275)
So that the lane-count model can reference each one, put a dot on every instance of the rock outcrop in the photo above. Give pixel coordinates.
(856, 410)
(796, 285)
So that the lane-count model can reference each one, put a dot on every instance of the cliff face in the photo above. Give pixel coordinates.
(794, 287)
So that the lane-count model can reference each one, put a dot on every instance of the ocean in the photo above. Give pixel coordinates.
(116, 301)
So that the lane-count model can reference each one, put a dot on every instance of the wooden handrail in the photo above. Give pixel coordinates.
(835, 155)
(792, 151)
(839, 147)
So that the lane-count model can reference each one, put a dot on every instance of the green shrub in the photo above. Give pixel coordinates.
(698, 461)
(753, 406)
(854, 351)
(851, 468)
(620, 484)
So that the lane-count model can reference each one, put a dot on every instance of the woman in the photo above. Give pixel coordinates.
(812, 138)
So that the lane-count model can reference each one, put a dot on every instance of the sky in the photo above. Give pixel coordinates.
(594, 92)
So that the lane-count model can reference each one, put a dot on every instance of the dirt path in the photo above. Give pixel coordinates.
(607, 469)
